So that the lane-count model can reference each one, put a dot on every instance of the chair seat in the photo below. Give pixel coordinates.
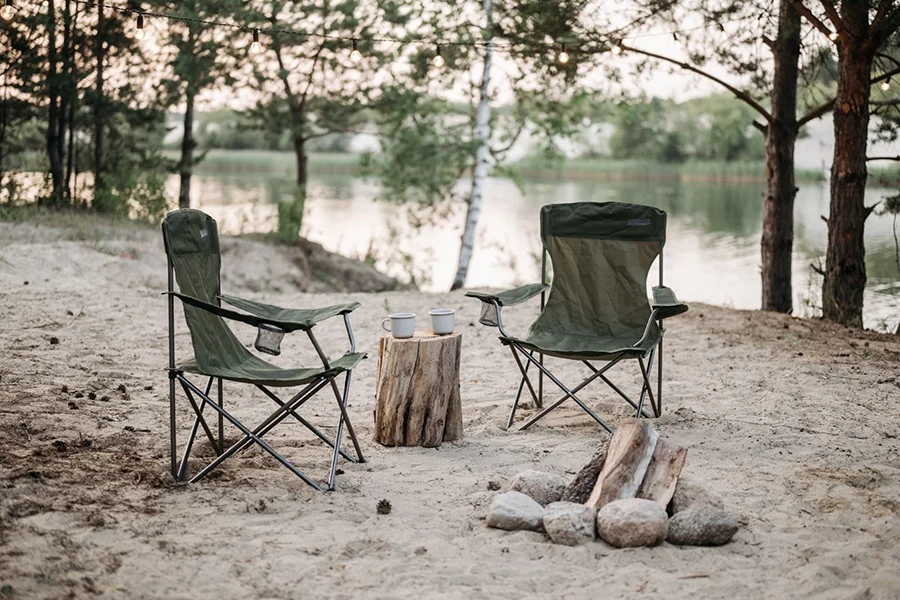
(252, 369)
(583, 347)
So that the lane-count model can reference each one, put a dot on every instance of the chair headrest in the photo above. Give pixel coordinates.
(604, 221)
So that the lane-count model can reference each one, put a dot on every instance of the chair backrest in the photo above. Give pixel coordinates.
(601, 255)
(192, 245)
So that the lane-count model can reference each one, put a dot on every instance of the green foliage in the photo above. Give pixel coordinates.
(290, 216)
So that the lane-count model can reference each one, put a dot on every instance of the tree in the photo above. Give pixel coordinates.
(776, 78)
(200, 61)
(862, 30)
(314, 86)
(430, 143)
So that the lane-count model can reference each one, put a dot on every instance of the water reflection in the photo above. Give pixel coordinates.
(712, 254)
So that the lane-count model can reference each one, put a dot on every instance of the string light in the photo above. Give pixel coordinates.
(833, 36)
(563, 55)
(886, 84)
(139, 31)
(438, 59)
(255, 47)
(722, 30)
(617, 49)
(8, 10)
(355, 54)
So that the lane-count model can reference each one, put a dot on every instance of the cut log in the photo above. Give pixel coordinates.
(627, 458)
(580, 488)
(662, 474)
(417, 399)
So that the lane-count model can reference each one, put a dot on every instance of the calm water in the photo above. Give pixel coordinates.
(712, 252)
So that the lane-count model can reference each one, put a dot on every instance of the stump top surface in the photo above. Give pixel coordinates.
(425, 335)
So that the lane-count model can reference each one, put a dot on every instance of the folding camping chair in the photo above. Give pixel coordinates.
(192, 247)
(597, 309)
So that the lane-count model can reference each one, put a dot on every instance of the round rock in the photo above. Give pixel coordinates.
(514, 511)
(569, 524)
(632, 522)
(690, 493)
(543, 487)
(702, 526)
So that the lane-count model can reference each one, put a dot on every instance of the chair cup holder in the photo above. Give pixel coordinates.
(268, 339)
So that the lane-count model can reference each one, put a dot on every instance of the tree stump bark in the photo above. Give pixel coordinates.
(417, 391)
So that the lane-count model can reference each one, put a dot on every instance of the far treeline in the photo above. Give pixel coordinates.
(88, 84)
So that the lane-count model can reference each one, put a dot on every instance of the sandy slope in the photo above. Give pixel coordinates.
(793, 422)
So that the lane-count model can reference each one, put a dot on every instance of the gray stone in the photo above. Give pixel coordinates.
(569, 523)
(702, 526)
(690, 493)
(543, 487)
(515, 511)
(632, 522)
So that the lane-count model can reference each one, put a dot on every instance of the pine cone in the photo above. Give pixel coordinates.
(384, 507)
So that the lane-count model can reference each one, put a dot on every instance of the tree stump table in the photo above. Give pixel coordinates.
(417, 390)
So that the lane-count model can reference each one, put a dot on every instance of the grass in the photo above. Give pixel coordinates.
(283, 163)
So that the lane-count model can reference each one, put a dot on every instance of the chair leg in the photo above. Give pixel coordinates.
(345, 416)
(172, 434)
(315, 430)
(571, 393)
(659, 379)
(525, 380)
(253, 436)
(342, 403)
(647, 385)
(617, 390)
(221, 418)
(197, 411)
(645, 388)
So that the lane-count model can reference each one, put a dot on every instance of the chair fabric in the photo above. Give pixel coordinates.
(598, 304)
(192, 244)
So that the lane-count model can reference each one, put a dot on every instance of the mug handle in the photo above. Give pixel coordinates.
(383, 321)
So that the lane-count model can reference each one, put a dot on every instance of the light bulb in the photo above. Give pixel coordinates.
(8, 10)
(563, 55)
(438, 59)
(833, 36)
(255, 47)
(617, 49)
(139, 32)
(355, 54)
(886, 85)
(723, 32)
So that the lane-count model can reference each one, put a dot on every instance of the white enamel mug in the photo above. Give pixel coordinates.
(443, 320)
(403, 325)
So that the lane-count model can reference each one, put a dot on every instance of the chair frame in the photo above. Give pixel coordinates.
(285, 409)
(519, 352)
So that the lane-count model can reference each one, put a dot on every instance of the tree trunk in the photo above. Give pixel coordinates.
(479, 177)
(70, 118)
(845, 264)
(186, 166)
(57, 197)
(781, 136)
(98, 110)
(302, 162)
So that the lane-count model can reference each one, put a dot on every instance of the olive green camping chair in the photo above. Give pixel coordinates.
(597, 308)
(192, 247)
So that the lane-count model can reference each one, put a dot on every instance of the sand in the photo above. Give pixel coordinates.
(793, 422)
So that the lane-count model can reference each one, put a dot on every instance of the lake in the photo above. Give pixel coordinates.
(711, 255)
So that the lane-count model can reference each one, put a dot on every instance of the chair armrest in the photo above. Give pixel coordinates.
(511, 297)
(294, 318)
(666, 304)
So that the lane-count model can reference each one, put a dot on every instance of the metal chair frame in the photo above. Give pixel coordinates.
(254, 436)
(519, 352)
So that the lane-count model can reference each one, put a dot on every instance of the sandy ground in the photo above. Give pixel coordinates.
(794, 422)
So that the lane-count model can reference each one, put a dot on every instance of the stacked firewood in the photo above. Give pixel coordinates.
(630, 494)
